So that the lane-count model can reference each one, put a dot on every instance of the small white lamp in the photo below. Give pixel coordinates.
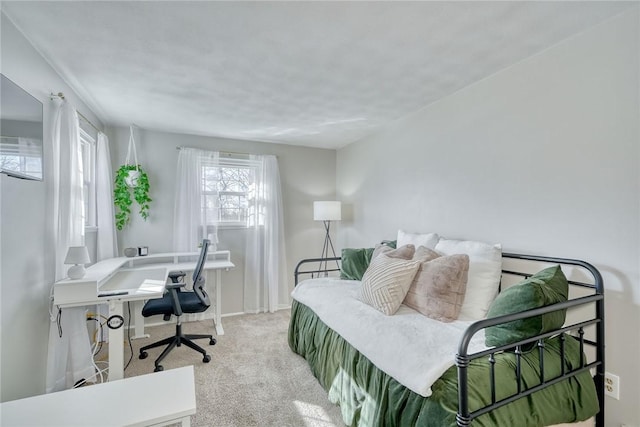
(79, 256)
(327, 211)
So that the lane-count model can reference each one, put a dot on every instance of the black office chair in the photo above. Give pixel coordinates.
(175, 302)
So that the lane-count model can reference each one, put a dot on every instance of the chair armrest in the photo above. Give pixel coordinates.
(173, 290)
(175, 276)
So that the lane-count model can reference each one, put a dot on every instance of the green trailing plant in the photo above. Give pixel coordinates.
(123, 192)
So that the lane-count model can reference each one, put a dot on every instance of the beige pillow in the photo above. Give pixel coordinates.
(403, 252)
(423, 254)
(439, 287)
(386, 281)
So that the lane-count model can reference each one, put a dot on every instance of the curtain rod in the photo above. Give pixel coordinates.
(224, 153)
(88, 121)
(60, 95)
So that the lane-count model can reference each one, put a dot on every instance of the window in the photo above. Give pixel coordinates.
(88, 152)
(227, 188)
(21, 156)
(21, 126)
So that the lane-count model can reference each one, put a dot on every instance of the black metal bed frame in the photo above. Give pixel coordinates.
(464, 417)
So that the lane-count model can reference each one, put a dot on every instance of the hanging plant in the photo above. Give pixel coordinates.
(130, 178)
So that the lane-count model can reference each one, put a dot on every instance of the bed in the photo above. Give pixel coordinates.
(548, 378)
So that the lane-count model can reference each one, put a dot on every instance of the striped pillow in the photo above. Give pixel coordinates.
(386, 282)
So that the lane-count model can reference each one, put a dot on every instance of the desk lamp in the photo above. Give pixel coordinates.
(79, 256)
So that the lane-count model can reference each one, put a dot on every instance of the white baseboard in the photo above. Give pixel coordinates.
(239, 313)
(209, 316)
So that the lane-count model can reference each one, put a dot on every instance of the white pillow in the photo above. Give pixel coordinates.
(429, 240)
(485, 269)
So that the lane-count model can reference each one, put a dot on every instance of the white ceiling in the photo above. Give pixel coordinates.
(320, 74)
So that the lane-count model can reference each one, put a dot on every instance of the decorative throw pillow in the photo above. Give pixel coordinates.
(485, 270)
(546, 287)
(355, 262)
(391, 243)
(428, 240)
(380, 248)
(423, 254)
(403, 252)
(386, 282)
(439, 286)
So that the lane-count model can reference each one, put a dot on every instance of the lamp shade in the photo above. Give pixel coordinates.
(327, 211)
(77, 255)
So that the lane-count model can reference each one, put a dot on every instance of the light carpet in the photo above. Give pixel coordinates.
(253, 379)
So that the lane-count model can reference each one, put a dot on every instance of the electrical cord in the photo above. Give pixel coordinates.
(129, 335)
(97, 341)
(59, 322)
(97, 344)
(55, 317)
(96, 348)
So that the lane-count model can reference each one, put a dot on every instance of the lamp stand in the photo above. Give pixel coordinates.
(328, 244)
(76, 271)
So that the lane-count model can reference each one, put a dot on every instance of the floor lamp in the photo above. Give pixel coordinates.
(327, 212)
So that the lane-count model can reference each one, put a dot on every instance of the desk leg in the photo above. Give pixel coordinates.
(116, 344)
(218, 317)
(138, 321)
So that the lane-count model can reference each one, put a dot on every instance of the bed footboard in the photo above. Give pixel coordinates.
(577, 330)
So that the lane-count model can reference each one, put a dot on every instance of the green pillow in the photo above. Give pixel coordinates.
(390, 243)
(546, 287)
(355, 262)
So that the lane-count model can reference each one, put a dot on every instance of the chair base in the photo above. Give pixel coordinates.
(176, 341)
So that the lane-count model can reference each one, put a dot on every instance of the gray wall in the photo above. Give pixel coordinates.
(542, 157)
(306, 174)
(25, 263)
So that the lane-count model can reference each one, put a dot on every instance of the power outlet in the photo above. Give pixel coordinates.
(612, 385)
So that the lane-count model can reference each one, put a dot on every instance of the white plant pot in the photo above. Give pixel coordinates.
(132, 178)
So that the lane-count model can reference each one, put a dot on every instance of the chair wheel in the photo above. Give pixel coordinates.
(158, 368)
(212, 341)
(206, 358)
(143, 355)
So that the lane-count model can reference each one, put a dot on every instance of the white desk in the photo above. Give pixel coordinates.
(217, 261)
(143, 278)
(161, 398)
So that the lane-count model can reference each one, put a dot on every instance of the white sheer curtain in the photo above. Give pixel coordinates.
(195, 213)
(107, 244)
(265, 276)
(106, 238)
(69, 358)
(195, 216)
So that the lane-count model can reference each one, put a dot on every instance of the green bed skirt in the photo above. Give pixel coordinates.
(369, 397)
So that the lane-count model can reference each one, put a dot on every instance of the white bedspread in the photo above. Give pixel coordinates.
(409, 347)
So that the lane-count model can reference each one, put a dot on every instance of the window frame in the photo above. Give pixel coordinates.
(88, 153)
(232, 163)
